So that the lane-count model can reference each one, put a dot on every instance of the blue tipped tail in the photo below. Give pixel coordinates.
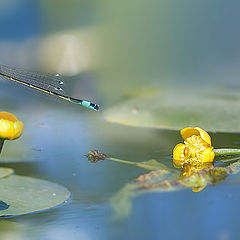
(85, 103)
(89, 104)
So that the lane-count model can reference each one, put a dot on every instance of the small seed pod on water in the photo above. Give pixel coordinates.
(95, 156)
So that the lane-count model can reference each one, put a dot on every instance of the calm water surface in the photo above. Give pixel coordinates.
(55, 139)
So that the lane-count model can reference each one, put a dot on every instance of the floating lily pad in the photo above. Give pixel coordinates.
(4, 172)
(176, 110)
(26, 195)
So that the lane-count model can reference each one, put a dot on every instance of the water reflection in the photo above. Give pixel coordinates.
(188, 169)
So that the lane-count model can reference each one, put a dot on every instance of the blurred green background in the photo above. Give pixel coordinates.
(125, 45)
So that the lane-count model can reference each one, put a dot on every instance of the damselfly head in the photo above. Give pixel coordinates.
(60, 82)
(94, 106)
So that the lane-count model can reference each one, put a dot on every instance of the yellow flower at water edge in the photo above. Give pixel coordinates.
(10, 127)
(196, 148)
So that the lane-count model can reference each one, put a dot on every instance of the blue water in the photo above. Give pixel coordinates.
(55, 151)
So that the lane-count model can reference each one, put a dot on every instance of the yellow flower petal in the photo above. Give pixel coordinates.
(10, 127)
(208, 155)
(8, 116)
(178, 152)
(188, 132)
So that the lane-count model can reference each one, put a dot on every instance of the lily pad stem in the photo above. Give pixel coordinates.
(1, 144)
(149, 165)
(226, 152)
(123, 161)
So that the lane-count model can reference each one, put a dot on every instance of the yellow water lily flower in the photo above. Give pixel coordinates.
(10, 127)
(196, 148)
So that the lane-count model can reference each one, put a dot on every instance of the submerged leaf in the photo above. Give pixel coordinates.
(153, 165)
(163, 180)
(149, 165)
(233, 168)
(211, 175)
(26, 195)
(147, 177)
(121, 202)
(178, 109)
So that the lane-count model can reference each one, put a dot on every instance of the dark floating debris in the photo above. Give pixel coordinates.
(95, 156)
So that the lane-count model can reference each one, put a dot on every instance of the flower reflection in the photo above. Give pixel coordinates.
(189, 169)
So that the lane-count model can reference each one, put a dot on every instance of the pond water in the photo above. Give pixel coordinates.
(109, 52)
(56, 137)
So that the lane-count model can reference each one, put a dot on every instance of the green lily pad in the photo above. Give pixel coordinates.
(176, 110)
(4, 172)
(26, 195)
